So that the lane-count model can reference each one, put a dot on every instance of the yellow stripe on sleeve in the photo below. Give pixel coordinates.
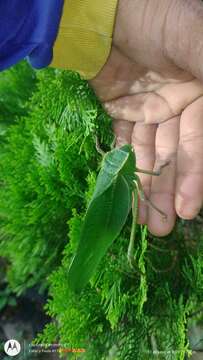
(85, 33)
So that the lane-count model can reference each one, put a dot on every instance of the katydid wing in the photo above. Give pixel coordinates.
(106, 214)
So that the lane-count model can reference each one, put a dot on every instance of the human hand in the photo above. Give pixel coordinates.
(157, 104)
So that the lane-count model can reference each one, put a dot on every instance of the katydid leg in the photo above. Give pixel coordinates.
(130, 254)
(146, 200)
(113, 144)
(154, 173)
(98, 147)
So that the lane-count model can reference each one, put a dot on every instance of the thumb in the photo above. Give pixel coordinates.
(183, 35)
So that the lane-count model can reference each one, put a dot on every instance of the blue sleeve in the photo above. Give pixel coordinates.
(28, 28)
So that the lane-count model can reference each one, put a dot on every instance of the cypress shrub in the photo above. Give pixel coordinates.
(48, 170)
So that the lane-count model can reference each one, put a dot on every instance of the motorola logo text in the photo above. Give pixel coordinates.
(12, 347)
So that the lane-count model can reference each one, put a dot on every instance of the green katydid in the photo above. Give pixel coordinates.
(117, 187)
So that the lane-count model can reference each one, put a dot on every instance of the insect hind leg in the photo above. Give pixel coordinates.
(154, 173)
(113, 144)
(98, 147)
(146, 200)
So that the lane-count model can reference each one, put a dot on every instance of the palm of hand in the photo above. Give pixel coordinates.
(161, 114)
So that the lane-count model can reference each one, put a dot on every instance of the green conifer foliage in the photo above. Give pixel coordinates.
(125, 315)
(44, 167)
(48, 171)
(16, 87)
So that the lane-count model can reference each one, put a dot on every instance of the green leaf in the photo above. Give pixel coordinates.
(103, 222)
